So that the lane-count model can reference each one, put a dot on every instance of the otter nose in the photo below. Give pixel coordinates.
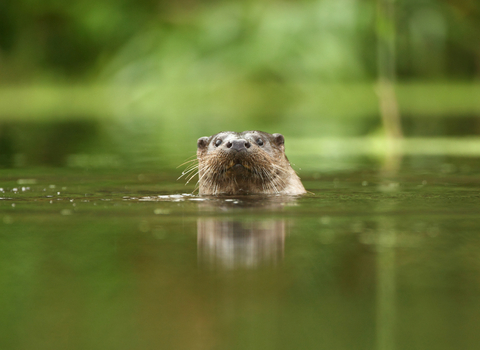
(238, 145)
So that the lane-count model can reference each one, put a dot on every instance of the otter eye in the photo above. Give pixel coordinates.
(218, 142)
(260, 142)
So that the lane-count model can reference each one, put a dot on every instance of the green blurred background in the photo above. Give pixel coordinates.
(100, 100)
(112, 84)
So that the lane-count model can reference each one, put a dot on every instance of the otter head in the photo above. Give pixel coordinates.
(247, 162)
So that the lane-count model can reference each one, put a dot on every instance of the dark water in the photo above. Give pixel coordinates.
(123, 260)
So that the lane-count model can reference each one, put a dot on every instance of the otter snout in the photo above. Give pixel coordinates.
(238, 145)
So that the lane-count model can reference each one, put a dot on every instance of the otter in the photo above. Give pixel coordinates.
(250, 162)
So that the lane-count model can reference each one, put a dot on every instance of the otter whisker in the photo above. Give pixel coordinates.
(279, 168)
(186, 172)
(191, 177)
(274, 184)
(190, 167)
(188, 161)
(277, 182)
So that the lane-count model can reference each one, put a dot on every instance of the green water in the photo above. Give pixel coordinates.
(130, 260)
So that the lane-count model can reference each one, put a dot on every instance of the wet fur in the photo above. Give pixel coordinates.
(264, 169)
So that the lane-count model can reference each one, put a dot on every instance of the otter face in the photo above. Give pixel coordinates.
(247, 162)
(238, 150)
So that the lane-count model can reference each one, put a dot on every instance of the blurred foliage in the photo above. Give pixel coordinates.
(270, 40)
(149, 77)
(58, 40)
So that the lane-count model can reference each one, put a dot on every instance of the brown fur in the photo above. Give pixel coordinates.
(255, 164)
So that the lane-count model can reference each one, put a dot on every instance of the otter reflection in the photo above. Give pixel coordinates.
(237, 237)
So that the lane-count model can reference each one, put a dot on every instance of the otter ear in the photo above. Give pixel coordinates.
(279, 139)
(202, 143)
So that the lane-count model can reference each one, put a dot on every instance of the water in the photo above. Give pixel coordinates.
(128, 260)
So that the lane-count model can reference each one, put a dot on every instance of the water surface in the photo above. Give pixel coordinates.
(130, 260)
